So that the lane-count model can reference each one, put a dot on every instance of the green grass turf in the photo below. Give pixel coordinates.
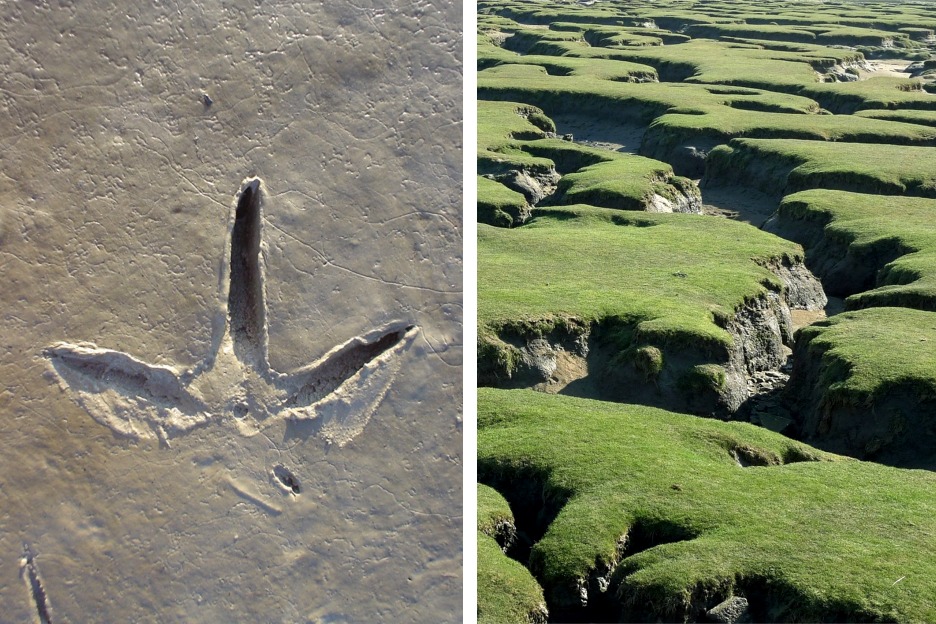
(754, 31)
(882, 17)
(855, 36)
(820, 540)
(864, 384)
(507, 139)
(613, 37)
(493, 510)
(892, 18)
(758, 64)
(607, 36)
(499, 123)
(671, 275)
(708, 62)
(501, 126)
(781, 166)
(496, 23)
(640, 103)
(711, 125)
(828, 540)
(499, 205)
(886, 92)
(490, 55)
(530, 40)
(867, 352)
(921, 117)
(546, 13)
(674, 17)
(507, 592)
(826, 34)
(881, 250)
(610, 179)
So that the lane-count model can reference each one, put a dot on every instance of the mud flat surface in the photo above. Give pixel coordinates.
(199, 203)
(619, 136)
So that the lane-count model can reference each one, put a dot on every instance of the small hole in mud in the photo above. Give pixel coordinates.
(240, 410)
(287, 479)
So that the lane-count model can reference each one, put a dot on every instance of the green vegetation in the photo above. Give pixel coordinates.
(867, 384)
(921, 117)
(509, 138)
(500, 124)
(881, 250)
(803, 33)
(806, 541)
(507, 592)
(780, 166)
(653, 281)
(629, 183)
(639, 514)
(708, 126)
(754, 31)
(617, 36)
(500, 206)
(675, 273)
(876, 92)
(641, 102)
(868, 352)
(547, 13)
(756, 63)
(713, 62)
(602, 69)
(493, 511)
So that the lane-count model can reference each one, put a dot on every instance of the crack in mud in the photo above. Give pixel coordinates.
(246, 306)
(37, 592)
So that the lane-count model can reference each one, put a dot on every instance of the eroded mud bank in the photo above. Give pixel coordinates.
(608, 360)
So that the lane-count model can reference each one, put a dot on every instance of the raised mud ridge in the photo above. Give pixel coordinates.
(336, 394)
(580, 359)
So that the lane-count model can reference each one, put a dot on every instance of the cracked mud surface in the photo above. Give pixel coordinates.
(116, 201)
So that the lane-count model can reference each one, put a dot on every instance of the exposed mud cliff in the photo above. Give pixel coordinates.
(609, 360)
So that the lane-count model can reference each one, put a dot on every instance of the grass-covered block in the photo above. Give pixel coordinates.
(864, 384)
(647, 515)
(499, 205)
(877, 250)
(610, 287)
(507, 592)
(782, 166)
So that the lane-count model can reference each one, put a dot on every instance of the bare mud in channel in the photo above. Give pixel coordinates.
(603, 134)
(738, 203)
(230, 237)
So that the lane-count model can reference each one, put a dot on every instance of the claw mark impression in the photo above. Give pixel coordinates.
(340, 390)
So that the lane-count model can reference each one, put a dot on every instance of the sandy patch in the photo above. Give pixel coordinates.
(896, 68)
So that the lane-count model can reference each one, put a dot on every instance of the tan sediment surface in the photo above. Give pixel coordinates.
(116, 196)
(895, 68)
